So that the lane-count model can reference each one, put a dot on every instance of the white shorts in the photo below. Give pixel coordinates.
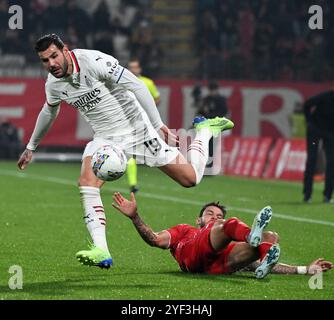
(153, 153)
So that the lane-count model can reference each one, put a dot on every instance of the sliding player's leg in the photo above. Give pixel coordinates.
(242, 254)
(233, 229)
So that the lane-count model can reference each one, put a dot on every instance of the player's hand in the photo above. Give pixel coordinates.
(128, 208)
(25, 159)
(319, 265)
(169, 137)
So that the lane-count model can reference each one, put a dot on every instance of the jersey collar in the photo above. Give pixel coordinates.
(76, 67)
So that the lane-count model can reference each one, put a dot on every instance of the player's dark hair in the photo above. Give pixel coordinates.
(213, 204)
(45, 41)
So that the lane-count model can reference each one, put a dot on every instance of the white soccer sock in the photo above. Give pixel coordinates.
(198, 152)
(94, 217)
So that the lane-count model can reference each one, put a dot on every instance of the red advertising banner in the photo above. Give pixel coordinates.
(21, 101)
(287, 160)
(230, 151)
(245, 156)
(258, 108)
(261, 157)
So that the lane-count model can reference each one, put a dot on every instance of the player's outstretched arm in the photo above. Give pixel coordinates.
(24, 159)
(316, 266)
(44, 121)
(129, 209)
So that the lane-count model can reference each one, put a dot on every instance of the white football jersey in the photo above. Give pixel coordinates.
(98, 89)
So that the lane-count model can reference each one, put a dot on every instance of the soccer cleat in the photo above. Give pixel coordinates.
(268, 261)
(198, 120)
(261, 220)
(215, 125)
(95, 257)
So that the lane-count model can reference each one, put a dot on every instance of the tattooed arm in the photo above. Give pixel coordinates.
(281, 268)
(154, 239)
(129, 209)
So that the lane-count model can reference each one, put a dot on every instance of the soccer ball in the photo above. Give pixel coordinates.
(109, 163)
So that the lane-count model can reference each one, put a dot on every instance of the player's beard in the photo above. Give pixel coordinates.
(201, 223)
(64, 69)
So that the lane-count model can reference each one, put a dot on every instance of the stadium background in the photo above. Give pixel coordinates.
(262, 52)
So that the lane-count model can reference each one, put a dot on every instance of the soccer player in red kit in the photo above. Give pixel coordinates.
(219, 246)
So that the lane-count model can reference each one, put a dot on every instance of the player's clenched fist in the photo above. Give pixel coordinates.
(25, 159)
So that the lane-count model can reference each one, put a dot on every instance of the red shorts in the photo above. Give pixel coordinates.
(198, 255)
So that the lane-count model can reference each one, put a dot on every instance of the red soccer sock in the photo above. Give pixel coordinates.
(263, 249)
(236, 229)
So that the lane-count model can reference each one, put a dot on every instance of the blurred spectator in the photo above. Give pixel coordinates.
(246, 34)
(13, 43)
(135, 67)
(55, 17)
(120, 39)
(78, 21)
(197, 96)
(145, 47)
(3, 20)
(264, 40)
(319, 115)
(214, 104)
(250, 39)
(102, 29)
(10, 143)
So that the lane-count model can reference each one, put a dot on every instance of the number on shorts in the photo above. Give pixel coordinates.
(153, 146)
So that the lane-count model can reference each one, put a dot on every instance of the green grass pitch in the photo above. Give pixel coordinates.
(42, 228)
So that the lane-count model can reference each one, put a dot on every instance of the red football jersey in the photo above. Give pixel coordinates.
(191, 247)
(186, 243)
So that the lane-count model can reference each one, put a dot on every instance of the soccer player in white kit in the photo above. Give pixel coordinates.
(122, 112)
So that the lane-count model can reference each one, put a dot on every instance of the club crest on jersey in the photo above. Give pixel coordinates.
(76, 80)
(89, 82)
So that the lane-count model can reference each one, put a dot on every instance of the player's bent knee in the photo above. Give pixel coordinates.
(232, 220)
(270, 236)
(187, 182)
(219, 225)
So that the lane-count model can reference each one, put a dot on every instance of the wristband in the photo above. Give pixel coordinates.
(301, 270)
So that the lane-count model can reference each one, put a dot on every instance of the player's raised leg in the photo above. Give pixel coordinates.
(190, 172)
(94, 217)
(251, 246)
(261, 220)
